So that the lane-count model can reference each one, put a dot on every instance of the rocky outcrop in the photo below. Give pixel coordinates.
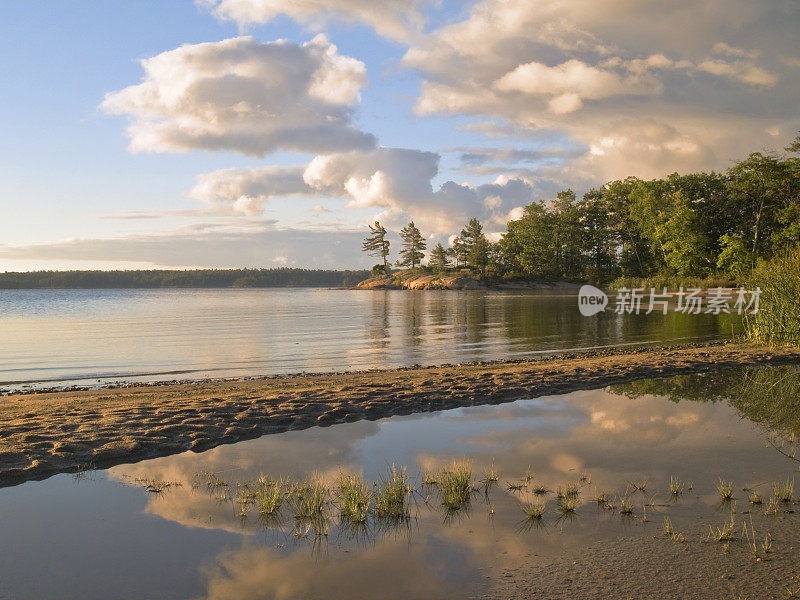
(422, 281)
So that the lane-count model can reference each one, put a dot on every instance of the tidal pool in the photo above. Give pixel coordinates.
(101, 534)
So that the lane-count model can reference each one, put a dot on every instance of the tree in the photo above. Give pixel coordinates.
(735, 258)
(413, 245)
(440, 258)
(377, 245)
(476, 246)
(459, 251)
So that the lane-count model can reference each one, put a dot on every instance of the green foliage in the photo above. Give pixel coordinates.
(698, 225)
(440, 258)
(778, 318)
(413, 245)
(735, 258)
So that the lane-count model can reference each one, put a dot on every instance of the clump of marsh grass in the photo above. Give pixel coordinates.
(391, 496)
(269, 495)
(490, 474)
(307, 498)
(155, 485)
(572, 490)
(638, 486)
(784, 491)
(540, 490)
(669, 531)
(772, 506)
(626, 506)
(675, 486)
(567, 504)
(353, 498)
(725, 534)
(533, 511)
(755, 498)
(667, 527)
(601, 497)
(456, 485)
(724, 489)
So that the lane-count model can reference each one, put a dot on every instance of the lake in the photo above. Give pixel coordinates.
(91, 337)
(102, 534)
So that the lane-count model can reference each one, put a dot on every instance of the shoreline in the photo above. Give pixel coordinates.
(45, 433)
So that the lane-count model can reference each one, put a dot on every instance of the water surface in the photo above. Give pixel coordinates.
(58, 337)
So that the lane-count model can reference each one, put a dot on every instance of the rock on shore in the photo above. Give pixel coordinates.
(459, 281)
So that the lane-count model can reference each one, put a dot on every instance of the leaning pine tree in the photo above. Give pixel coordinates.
(377, 245)
(413, 245)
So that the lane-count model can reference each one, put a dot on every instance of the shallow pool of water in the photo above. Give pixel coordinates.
(102, 535)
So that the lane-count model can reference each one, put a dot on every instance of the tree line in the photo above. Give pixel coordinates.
(196, 278)
(683, 226)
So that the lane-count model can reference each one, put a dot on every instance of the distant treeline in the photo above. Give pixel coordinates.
(198, 278)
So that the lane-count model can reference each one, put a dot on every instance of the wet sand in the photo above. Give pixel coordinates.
(48, 433)
(657, 568)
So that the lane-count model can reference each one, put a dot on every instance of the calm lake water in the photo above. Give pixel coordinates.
(102, 536)
(96, 336)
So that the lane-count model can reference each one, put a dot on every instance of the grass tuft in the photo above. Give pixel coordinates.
(353, 498)
(307, 498)
(456, 485)
(675, 486)
(391, 497)
(626, 506)
(269, 495)
(724, 488)
(533, 511)
(784, 491)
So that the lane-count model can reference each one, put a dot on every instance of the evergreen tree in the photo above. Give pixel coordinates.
(377, 245)
(477, 246)
(459, 251)
(413, 245)
(440, 258)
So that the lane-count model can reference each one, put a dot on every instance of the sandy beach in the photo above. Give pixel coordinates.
(48, 433)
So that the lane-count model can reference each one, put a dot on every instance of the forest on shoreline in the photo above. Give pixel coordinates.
(704, 225)
(195, 278)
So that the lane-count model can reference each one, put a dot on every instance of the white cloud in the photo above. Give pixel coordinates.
(743, 71)
(242, 95)
(395, 19)
(395, 181)
(244, 191)
(578, 68)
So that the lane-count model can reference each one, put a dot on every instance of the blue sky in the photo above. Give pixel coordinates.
(541, 98)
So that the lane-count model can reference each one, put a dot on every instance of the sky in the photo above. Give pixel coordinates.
(269, 133)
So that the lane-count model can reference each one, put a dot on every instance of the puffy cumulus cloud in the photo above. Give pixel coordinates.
(568, 84)
(244, 191)
(242, 95)
(670, 68)
(396, 181)
(395, 19)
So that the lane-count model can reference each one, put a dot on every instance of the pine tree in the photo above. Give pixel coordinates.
(477, 246)
(440, 258)
(377, 245)
(459, 251)
(413, 245)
